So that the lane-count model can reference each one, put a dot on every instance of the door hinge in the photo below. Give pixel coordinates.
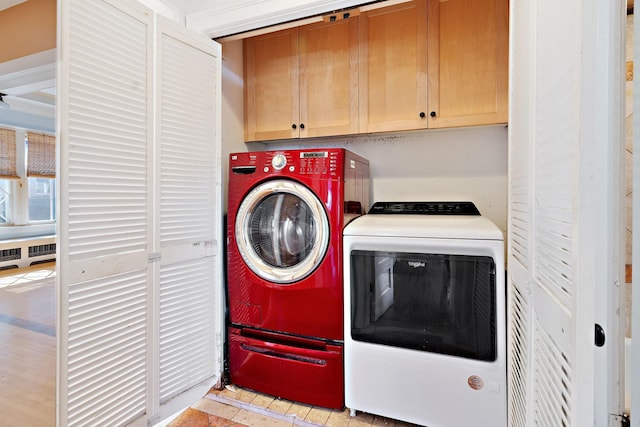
(154, 257)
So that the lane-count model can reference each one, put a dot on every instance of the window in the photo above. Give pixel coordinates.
(41, 170)
(8, 172)
(42, 199)
(8, 153)
(5, 201)
(27, 183)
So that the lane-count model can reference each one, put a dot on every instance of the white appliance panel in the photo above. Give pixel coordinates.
(431, 389)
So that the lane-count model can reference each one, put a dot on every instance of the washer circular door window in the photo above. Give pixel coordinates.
(282, 231)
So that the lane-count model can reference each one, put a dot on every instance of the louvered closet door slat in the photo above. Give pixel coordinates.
(109, 130)
(189, 206)
(554, 213)
(187, 326)
(519, 356)
(520, 224)
(107, 348)
(105, 99)
(187, 135)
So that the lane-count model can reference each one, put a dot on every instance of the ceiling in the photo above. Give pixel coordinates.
(29, 86)
(6, 4)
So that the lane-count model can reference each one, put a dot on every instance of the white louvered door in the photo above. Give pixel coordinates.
(189, 210)
(139, 293)
(565, 226)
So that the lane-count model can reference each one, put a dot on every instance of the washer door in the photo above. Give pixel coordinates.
(282, 231)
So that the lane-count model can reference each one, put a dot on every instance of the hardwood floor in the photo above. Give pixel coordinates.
(27, 347)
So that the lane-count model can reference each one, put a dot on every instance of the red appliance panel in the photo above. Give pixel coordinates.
(312, 306)
(311, 374)
(286, 338)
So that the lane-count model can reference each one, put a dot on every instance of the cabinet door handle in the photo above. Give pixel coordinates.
(600, 336)
(293, 126)
(301, 125)
(433, 114)
(422, 115)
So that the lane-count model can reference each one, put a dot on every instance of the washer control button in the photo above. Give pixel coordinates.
(279, 161)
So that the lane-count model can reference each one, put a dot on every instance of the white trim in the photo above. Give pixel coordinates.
(300, 22)
(242, 16)
(6, 4)
(26, 231)
(44, 58)
(601, 205)
(24, 76)
(634, 353)
(160, 7)
(19, 119)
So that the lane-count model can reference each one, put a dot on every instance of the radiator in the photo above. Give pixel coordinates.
(19, 253)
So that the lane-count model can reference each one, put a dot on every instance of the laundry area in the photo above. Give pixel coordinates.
(344, 213)
(294, 291)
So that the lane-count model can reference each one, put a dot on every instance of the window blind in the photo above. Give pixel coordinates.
(41, 155)
(8, 154)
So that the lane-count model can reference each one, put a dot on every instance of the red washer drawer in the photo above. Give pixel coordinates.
(312, 374)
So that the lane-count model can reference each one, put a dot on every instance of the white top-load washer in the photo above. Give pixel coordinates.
(425, 315)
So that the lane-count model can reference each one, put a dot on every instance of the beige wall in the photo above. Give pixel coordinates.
(27, 28)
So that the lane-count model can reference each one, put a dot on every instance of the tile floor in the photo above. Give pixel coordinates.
(234, 406)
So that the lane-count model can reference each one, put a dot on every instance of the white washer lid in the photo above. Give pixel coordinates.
(424, 226)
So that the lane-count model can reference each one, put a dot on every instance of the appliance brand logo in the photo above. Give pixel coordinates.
(416, 264)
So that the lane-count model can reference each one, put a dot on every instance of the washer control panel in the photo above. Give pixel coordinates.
(319, 162)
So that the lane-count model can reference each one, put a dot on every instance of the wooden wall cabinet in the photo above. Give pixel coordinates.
(433, 64)
(271, 86)
(468, 62)
(415, 65)
(302, 82)
(393, 68)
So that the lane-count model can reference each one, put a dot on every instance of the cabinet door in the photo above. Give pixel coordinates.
(329, 78)
(271, 91)
(393, 68)
(468, 62)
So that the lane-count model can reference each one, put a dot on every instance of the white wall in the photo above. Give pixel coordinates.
(452, 164)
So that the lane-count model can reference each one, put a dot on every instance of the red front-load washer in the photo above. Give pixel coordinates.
(286, 212)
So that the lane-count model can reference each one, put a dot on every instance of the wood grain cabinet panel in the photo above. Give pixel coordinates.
(271, 86)
(329, 78)
(393, 68)
(414, 65)
(302, 82)
(468, 62)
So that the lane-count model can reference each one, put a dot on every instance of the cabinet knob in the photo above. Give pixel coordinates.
(301, 125)
(293, 126)
(422, 115)
(433, 114)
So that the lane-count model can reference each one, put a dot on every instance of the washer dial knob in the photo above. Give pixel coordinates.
(279, 161)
